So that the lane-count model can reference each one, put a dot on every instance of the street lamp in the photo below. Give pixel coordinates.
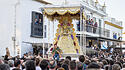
(15, 25)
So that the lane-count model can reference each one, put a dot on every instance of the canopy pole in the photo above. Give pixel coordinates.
(53, 31)
(81, 30)
(43, 33)
(48, 35)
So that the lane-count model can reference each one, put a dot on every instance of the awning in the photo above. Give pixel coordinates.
(61, 11)
(114, 25)
(54, 11)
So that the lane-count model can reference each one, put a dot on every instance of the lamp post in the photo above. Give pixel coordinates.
(14, 37)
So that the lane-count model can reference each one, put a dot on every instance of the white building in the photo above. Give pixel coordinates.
(16, 22)
(115, 28)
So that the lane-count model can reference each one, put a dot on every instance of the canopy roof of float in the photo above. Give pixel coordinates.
(57, 12)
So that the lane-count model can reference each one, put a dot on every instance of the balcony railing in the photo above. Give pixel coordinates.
(104, 32)
(97, 30)
(92, 29)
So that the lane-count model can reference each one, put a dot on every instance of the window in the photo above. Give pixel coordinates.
(37, 25)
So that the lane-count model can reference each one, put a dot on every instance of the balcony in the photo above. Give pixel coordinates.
(97, 30)
(92, 29)
(104, 32)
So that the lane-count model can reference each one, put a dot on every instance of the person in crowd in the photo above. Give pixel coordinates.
(56, 52)
(101, 65)
(82, 58)
(87, 62)
(6, 57)
(36, 21)
(52, 65)
(91, 25)
(95, 27)
(68, 57)
(65, 66)
(17, 64)
(37, 64)
(24, 57)
(123, 66)
(93, 66)
(1, 61)
(116, 67)
(107, 67)
(11, 64)
(66, 61)
(30, 65)
(59, 63)
(80, 66)
(104, 61)
(40, 21)
(119, 63)
(4, 67)
(44, 64)
(72, 65)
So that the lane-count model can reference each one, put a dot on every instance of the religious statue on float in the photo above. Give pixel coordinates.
(66, 37)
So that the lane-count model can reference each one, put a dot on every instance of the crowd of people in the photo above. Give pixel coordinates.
(103, 61)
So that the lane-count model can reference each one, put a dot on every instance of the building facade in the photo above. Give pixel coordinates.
(115, 28)
(16, 23)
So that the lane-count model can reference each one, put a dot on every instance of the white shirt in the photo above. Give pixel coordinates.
(11, 68)
(38, 68)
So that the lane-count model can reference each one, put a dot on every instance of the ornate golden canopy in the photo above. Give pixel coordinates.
(61, 11)
(58, 12)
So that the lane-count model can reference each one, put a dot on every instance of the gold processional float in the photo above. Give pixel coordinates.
(66, 38)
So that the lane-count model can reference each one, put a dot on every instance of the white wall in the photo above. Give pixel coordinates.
(6, 26)
(23, 24)
(26, 18)
(26, 7)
